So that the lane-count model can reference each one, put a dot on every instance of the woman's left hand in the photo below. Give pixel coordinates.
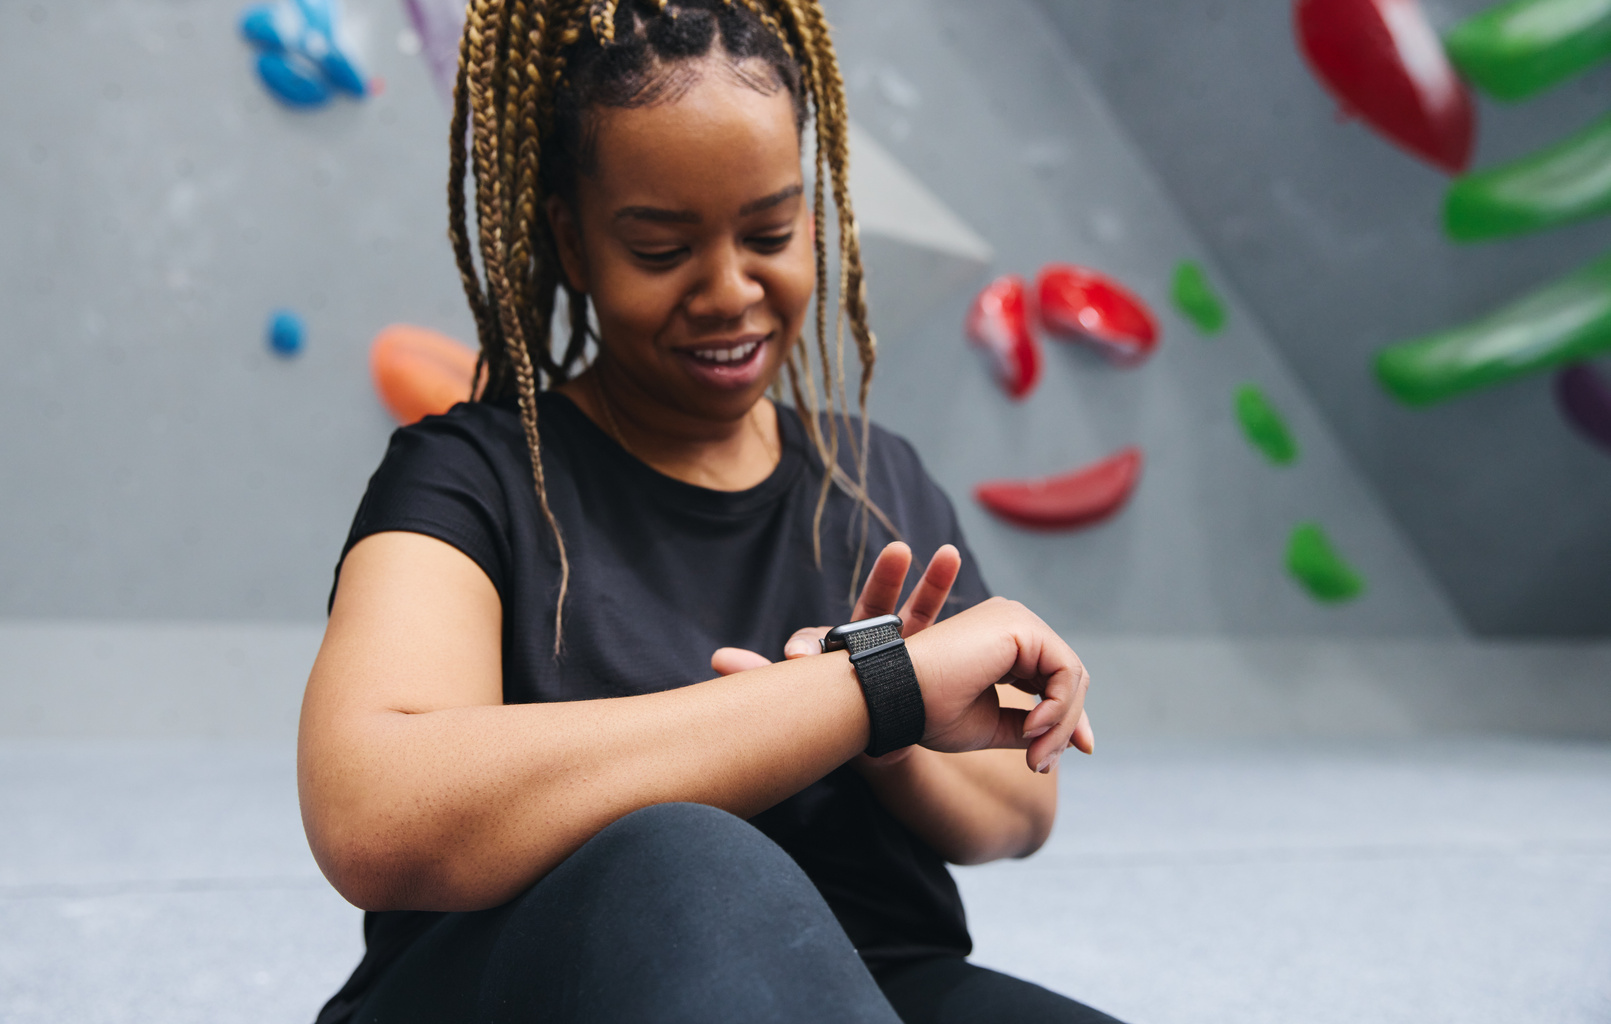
(878, 597)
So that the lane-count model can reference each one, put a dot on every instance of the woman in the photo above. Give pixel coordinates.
(506, 754)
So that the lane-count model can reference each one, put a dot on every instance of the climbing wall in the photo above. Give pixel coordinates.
(1338, 239)
(1011, 136)
(163, 461)
(198, 270)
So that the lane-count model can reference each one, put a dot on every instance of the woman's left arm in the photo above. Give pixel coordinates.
(973, 807)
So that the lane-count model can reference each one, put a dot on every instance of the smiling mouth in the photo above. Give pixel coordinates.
(723, 355)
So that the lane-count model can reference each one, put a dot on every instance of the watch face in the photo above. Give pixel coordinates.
(863, 633)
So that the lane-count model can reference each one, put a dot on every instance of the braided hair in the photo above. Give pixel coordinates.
(530, 72)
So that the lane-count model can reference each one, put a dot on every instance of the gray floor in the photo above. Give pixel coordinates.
(1419, 881)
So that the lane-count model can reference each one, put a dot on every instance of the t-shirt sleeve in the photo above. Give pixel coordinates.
(440, 478)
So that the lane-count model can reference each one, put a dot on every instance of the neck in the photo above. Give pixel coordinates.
(721, 454)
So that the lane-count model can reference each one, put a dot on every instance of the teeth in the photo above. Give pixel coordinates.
(727, 355)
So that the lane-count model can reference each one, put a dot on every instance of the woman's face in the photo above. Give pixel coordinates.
(692, 237)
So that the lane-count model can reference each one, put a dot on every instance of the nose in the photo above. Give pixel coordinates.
(727, 289)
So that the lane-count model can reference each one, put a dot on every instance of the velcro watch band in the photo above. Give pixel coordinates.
(888, 681)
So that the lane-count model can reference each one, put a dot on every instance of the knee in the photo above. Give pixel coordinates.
(681, 824)
(687, 839)
(691, 904)
(681, 853)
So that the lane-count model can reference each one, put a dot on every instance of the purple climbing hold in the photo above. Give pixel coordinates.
(1585, 399)
(439, 24)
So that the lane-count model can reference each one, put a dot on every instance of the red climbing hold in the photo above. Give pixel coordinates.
(419, 372)
(1083, 305)
(998, 322)
(1084, 496)
(1383, 61)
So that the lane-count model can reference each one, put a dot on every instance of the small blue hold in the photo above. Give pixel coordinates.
(286, 334)
(260, 26)
(299, 59)
(318, 16)
(290, 83)
(340, 73)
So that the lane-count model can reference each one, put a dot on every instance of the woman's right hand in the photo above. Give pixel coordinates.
(959, 661)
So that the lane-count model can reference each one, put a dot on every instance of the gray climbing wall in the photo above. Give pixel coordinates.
(163, 465)
(1333, 236)
(159, 463)
(1007, 131)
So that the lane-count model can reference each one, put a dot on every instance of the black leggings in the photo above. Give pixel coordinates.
(681, 913)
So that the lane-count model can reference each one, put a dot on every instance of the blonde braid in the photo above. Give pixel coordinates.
(601, 15)
(486, 42)
(852, 278)
(458, 235)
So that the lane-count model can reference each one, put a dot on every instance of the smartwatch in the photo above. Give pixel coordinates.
(888, 681)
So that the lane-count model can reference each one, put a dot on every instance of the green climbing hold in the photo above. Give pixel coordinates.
(1564, 322)
(1264, 427)
(1568, 182)
(1523, 47)
(1316, 564)
(1195, 298)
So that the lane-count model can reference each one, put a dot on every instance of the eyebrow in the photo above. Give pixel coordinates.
(767, 202)
(660, 215)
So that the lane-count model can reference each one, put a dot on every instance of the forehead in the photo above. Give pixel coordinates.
(718, 145)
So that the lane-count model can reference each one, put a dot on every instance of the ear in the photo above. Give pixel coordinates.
(568, 240)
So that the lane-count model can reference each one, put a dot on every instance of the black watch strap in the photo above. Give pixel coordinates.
(888, 681)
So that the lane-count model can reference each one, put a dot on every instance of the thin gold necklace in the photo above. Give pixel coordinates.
(609, 418)
(773, 455)
(614, 428)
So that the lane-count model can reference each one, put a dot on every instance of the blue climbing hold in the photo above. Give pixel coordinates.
(260, 28)
(301, 58)
(292, 80)
(286, 334)
(340, 72)
(318, 16)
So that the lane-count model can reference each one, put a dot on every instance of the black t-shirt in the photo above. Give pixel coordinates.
(663, 573)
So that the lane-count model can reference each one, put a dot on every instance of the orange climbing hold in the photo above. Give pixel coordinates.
(420, 372)
(1084, 496)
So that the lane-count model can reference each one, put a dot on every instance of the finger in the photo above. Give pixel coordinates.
(1010, 729)
(805, 642)
(883, 588)
(728, 660)
(1052, 723)
(928, 597)
(1084, 738)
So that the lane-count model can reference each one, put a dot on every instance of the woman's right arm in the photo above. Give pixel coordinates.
(421, 790)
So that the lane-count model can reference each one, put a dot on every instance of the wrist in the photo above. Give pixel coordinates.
(920, 647)
(848, 684)
(891, 765)
(895, 710)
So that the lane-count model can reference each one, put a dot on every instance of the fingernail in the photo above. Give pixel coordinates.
(1051, 762)
(1030, 734)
